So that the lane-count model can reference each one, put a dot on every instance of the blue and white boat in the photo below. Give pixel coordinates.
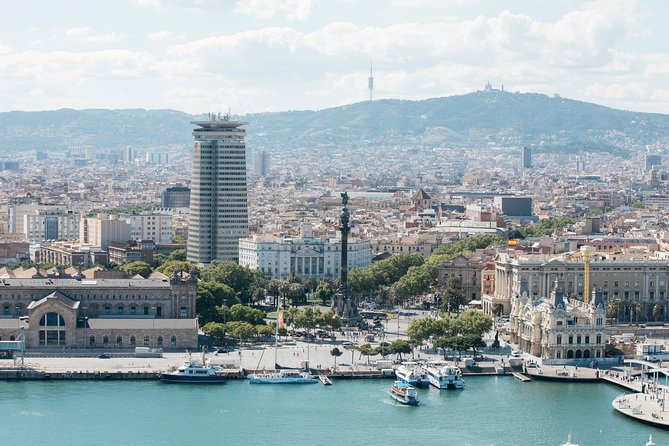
(411, 373)
(444, 377)
(283, 377)
(404, 393)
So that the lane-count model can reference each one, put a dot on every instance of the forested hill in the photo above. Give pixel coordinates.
(475, 119)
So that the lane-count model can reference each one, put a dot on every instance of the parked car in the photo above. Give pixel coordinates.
(516, 353)
(104, 356)
(651, 358)
(346, 343)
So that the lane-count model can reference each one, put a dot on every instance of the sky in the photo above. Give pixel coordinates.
(272, 55)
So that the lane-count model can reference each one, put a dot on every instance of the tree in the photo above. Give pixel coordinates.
(242, 313)
(473, 323)
(366, 350)
(335, 352)
(215, 330)
(179, 254)
(498, 309)
(453, 295)
(324, 292)
(237, 277)
(158, 260)
(134, 268)
(180, 266)
(400, 346)
(241, 330)
(211, 296)
(612, 308)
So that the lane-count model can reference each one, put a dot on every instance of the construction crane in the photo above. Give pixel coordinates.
(585, 255)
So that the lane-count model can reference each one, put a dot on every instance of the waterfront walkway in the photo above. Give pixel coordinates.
(647, 407)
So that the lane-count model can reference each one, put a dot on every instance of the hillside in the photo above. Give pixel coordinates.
(474, 119)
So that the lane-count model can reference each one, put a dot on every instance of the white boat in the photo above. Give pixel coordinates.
(404, 393)
(283, 377)
(194, 373)
(650, 441)
(411, 373)
(569, 443)
(444, 377)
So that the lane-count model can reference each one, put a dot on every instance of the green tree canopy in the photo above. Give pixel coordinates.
(141, 268)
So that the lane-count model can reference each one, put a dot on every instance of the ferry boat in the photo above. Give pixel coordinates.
(411, 373)
(194, 373)
(444, 377)
(283, 377)
(404, 393)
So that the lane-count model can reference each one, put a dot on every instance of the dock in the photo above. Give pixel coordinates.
(521, 377)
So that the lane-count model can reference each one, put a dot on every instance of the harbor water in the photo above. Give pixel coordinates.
(490, 411)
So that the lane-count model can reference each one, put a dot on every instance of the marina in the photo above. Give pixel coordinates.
(356, 412)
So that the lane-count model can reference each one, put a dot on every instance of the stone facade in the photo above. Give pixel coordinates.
(80, 313)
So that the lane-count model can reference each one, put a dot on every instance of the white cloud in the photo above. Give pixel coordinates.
(105, 38)
(161, 36)
(80, 31)
(292, 9)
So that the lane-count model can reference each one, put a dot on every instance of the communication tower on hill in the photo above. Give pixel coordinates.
(370, 80)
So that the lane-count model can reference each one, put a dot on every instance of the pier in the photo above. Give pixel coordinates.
(521, 377)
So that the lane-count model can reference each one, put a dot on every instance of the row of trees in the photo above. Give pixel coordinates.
(309, 318)
(464, 332)
(629, 310)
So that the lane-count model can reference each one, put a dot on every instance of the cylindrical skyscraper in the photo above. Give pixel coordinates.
(218, 200)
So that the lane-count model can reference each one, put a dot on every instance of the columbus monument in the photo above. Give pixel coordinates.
(343, 303)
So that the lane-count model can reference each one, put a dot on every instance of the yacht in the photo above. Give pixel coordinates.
(411, 373)
(192, 372)
(283, 377)
(404, 393)
(444, 377)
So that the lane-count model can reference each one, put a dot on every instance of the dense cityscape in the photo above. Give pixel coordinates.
(496, 259)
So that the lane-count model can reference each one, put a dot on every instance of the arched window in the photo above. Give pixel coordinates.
(91, 341)
(133, 341)
(119, 340)
(105, 339)
(51, 329)
(12, 338)
(160, 341)
(173, 341)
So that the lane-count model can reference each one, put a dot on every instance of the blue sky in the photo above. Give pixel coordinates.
(271, 55)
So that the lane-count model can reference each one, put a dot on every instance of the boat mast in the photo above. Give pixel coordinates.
(276, 334)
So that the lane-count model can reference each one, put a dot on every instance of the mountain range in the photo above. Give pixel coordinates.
(481, 118)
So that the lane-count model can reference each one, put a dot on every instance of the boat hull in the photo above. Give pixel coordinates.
(283, 380)
(404, 400)
(180, 379)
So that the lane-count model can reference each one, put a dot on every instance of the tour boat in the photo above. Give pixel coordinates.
(194, 373)
(283, 377)
(404, 393)
(412, 374)
(446, 377)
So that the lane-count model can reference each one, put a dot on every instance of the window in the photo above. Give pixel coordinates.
(119, 340)
(91, 341)
(559, 339)
(160, 341)
(587, 339)
(599, 339)
(578, 339)
(173, 341)
(105, 339)
(571, 339)
(146, 341)
(52, 329)
(107, 309)
(133, 341)
(119, 310)
(146, 310)
(133, 310)
(159, 311)
(183, 313)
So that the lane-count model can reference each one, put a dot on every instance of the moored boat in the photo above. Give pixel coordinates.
(444, 377)
(194, 373)
(569, 443)
(283, 377)
(411, 373)
(404, 393)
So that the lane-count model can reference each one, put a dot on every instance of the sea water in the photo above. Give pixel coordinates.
(490, 411)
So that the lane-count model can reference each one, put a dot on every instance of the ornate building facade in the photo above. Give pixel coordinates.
(552, 328)
(76, 312)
